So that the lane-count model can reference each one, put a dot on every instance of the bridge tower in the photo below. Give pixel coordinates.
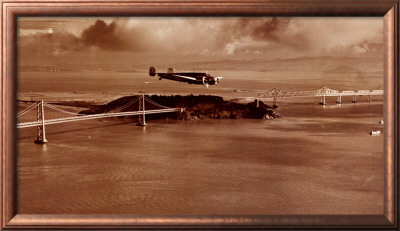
(41, 135)
(142, 117)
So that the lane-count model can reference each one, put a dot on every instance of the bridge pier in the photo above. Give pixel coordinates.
(275, 100)
(142, 117)
(369, 98)
(323, 102)
(339, 99)
(41, 135)
(354, 99)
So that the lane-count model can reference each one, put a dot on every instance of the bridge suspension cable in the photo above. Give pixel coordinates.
(94, 116)
(155, 104)
(125, 106)
(60, 110)
(26, 110)
(41, 121)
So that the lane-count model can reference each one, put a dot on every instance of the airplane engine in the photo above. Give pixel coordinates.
(211, 81)
(152, 71)
(217, 79)
(204, 80)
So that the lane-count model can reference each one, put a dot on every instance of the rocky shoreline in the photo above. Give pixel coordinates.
(199, 107)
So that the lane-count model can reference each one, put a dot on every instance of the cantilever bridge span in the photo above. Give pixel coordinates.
(64, 116)
(322, 92)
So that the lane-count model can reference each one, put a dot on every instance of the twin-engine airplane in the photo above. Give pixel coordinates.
(189, 77)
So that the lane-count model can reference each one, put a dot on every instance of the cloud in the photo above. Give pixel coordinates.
(49, 43)
(368, 46)
(205, 37)
(55, 41)
(270, 29)
(293, 37)
(103, 36)
(271, 36)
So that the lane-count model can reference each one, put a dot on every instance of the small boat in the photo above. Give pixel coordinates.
(381, 122)
(375, 132)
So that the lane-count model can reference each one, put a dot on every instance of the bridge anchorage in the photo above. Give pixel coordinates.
(323, 92)
(57, 115)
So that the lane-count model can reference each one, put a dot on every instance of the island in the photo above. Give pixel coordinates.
(196, 107)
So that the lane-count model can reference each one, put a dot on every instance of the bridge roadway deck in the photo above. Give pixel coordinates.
(295, 95)
(95, 116)
(275, 94)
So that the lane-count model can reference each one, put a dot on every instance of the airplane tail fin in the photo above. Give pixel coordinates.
(152, 71)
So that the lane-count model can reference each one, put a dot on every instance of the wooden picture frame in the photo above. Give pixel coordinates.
(11, 9)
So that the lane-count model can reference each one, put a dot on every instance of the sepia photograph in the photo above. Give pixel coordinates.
(200, 115)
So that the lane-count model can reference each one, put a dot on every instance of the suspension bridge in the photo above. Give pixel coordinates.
(57, 115)
(322, 92)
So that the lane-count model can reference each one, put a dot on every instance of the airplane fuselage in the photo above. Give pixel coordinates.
(188, 77)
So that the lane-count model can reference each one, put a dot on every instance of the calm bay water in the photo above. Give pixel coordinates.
(312, 160)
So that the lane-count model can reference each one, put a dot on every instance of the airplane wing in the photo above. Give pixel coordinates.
(185, 77)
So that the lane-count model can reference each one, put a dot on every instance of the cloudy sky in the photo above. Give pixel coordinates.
(199, 38)
(342, 53)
